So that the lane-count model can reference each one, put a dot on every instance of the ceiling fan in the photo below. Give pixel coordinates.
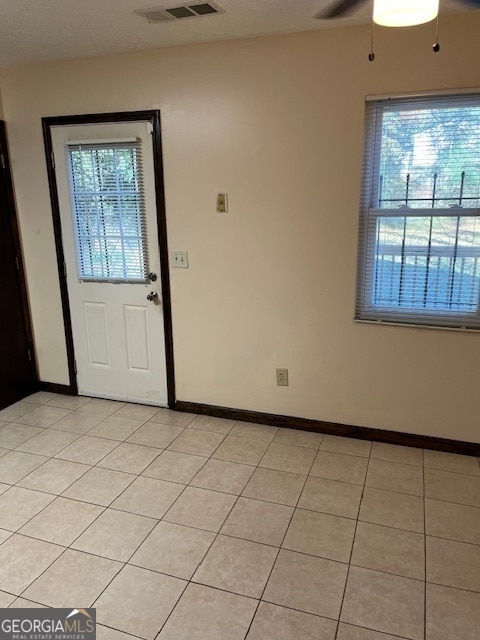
(392, 13)
(385, 8)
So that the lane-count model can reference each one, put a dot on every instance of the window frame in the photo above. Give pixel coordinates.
(366, 310)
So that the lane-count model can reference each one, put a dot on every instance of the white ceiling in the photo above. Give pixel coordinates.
(39, 30)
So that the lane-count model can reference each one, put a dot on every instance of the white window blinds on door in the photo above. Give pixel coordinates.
(108, 206)
(419, 257)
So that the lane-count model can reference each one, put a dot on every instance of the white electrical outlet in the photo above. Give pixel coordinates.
(282, 377)
(180, 259)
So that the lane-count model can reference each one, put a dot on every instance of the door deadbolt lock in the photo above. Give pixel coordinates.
(152, 277)
(153, 296)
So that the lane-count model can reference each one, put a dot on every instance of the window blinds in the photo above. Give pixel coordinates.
(108, 206)
(419, 243)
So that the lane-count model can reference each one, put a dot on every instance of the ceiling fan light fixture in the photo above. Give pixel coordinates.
(404, 13)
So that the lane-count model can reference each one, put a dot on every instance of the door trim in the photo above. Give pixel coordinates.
(153, 118)
(7, 180)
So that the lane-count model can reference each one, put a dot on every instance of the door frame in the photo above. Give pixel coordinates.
(7, 184)
(151, 117)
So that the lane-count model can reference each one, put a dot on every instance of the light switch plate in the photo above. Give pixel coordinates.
(222, 203)
(282, 377)
(180, 259)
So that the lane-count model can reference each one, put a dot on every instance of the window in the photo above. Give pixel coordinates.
(109, 210)
(419, 258)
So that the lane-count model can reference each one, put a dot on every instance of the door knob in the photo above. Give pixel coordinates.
(152, 296)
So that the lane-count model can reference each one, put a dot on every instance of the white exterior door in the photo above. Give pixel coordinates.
(106, 193)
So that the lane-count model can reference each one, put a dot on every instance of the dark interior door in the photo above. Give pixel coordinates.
(16, 355)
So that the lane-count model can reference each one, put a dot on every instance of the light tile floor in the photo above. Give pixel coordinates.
(183, 527)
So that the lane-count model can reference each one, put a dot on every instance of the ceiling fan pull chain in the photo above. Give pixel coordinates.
(371, 55)
(436, 46)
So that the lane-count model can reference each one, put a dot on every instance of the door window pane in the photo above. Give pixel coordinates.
(108, 207)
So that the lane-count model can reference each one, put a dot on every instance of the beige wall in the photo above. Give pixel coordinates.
(278, 124)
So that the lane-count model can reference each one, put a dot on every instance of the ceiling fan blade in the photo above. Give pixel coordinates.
(339, 9)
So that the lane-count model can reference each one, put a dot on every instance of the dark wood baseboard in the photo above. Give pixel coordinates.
(53, 387)
(334, 428)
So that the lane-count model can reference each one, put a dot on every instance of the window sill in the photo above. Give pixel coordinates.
(411, 325)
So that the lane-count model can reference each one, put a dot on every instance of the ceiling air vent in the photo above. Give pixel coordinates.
(180, 12)
(191, 10)
(203, 9)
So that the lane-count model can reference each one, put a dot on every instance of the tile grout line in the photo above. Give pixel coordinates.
(425, 554)
(18, 420)
(353, 546)
(120, 442)
(140, 475)
(125, 562)
(46, 454)
(50, 457)
(217, 534)
(201, 585)
(53, 457)
(106, 416)
(107, 626)
(57, 495)
(58, 558)
(260, 599)
(47, 458)
(187, 485)
(235, 502)
(18, 531)
(413, 495)
(392, 635)
(32, 402)
(69, 546)
(92, 503)
(45, 570)
(126, 441)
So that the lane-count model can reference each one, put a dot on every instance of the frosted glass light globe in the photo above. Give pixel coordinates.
(404, 13)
